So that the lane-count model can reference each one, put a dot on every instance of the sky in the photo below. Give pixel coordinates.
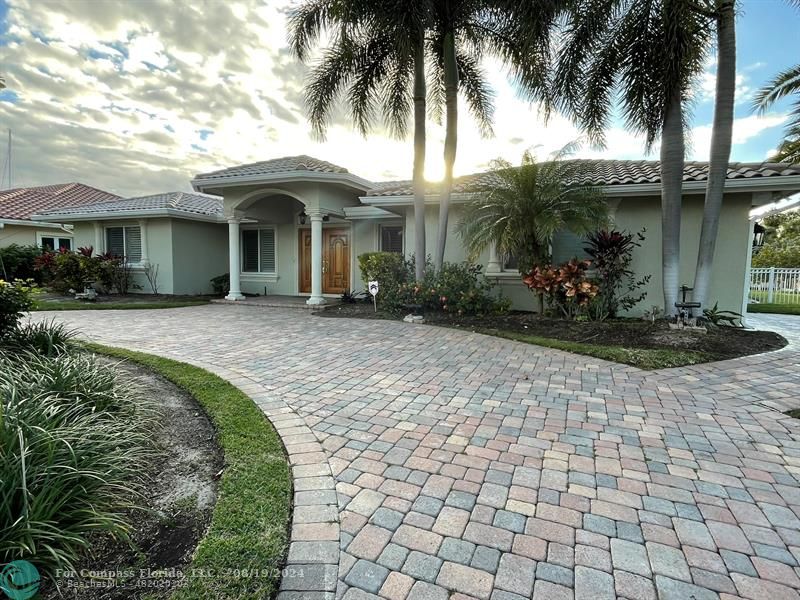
(138, 96)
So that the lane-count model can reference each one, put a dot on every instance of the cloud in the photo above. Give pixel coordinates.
(138, 97)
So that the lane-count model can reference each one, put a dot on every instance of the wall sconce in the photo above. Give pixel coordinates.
(326, 218)
(302, 217)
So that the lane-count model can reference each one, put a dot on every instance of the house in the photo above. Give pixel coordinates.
(296, 225)
(19, 204)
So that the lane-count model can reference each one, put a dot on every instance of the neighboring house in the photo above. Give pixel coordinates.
(18, 204)
(296, 225)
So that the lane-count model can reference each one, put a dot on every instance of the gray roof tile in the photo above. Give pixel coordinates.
(285, 164)
(605, 173)
(194, 204)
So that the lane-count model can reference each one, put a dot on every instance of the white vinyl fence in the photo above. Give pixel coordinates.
(778, 286)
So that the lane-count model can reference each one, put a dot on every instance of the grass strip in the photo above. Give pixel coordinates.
(243, 551)
(643, 358)
(775, 309)
(78, 305)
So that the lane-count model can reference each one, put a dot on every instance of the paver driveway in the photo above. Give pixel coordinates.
(466, 465)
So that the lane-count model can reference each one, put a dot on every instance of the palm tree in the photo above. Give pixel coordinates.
(647, 53)
(721, 139)
(524, 207)
(785, 83)
(462, 32)
(378, 49)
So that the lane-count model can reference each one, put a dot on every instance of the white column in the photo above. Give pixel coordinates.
(143, 238)
(98, 238)
(493, 266)
(316, 258)
(235, 261)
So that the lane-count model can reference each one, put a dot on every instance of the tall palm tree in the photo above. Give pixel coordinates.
(721, 139)
(646, 53)
(522, 208)
(462, 33)
(785, 83)
(378, 50)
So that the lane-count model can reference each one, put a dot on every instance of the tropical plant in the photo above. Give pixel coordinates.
(45, 338)
(724, 14)
(523, 207)
(16, 298)
(647, 54)
(565, 288)
(464, 31)
(786, 83)
(221, 284)
(392, 271)
(377, 52)
(611, 253)
(781, 246)
(718, 317)
(72, 445)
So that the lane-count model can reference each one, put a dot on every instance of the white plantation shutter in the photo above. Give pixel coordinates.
(566, 246)
(115, 241)
(133, 244)
(250, 250)
(267, 247)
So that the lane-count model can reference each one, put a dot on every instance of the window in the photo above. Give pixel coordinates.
(51, 242)
(392, 239)
(258, 250)
(126, 242)
(566, 246)
(510, 263)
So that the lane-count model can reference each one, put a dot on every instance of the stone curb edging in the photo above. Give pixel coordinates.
(312, 564)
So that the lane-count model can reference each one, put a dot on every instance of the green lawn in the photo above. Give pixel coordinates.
(791, 298)
(643, 358)
(249, 527)
(112, 305)
(778, 309)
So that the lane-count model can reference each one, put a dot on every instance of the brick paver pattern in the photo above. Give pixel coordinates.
(433, 463)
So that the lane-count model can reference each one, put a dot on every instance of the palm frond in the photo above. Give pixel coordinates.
(784, 83)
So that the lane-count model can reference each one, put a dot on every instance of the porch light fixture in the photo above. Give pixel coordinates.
(758, 236)
(302, 216)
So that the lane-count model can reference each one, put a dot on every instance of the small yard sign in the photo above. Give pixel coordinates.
(373, 288)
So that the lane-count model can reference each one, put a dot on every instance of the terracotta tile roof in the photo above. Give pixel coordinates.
(194, 204)
(21, 203)
(604, 173)
(285, 164)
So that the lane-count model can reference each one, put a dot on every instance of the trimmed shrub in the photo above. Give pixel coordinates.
(457, 288)
(221, 284)
(73, 444)
(19, 262)
(15, 299)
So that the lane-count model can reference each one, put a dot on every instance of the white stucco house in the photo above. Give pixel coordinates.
(296, 225)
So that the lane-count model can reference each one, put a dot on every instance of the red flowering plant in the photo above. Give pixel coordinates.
(565, 288)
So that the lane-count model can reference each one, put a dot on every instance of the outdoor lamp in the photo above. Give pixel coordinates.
(758, 235)
(302, 216)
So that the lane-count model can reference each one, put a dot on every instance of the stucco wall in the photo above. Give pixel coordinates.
(25, 235)
(633, 214)
(159, 249)
(199, 252)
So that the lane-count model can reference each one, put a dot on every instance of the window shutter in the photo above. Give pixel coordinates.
(392, 239)
(267, 250)
(250, 250)
(133, 244)
(566, 246)
(115, 243)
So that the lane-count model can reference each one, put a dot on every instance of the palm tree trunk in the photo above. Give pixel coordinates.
(450, 143)
(672, 157)
(721, 136)
(420, 92)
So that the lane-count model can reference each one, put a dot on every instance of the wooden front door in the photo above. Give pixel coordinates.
(335, 261)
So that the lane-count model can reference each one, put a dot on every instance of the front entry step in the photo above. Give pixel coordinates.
(294, 302)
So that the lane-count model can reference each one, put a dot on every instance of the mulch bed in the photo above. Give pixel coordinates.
(718, 342)
(177, 508)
